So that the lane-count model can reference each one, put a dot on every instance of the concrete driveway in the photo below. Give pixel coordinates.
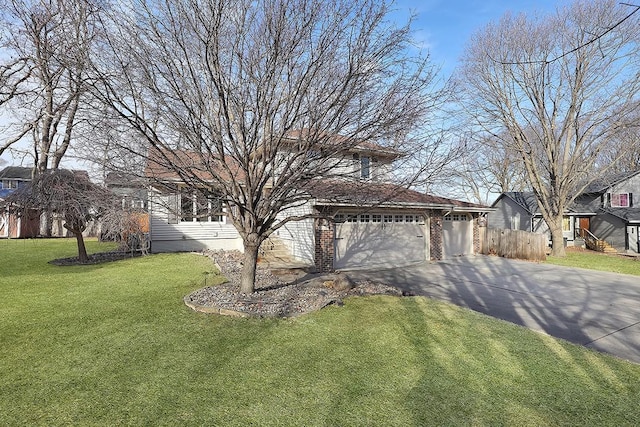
(594, 309)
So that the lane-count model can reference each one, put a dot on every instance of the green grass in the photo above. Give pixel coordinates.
(598, 261)
(113, 344)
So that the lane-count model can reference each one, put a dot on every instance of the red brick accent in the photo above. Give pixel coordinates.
(435, 233)
(476, 235)
(324, 245)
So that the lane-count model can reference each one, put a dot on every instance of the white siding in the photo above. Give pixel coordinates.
(188, 236)
(298, 236)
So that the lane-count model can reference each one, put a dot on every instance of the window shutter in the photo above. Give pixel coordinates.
(630, 200)
(608, 204)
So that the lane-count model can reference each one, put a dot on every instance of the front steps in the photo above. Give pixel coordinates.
(274, 254)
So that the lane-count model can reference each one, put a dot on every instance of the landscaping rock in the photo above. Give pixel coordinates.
(275, 297)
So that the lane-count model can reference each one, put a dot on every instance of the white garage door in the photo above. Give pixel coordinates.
(457, 235)
(379, 240)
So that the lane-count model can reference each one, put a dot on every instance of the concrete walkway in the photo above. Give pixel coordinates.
(595, 309)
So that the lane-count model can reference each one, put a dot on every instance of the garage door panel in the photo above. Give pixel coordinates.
(457, 236)
(379, 244)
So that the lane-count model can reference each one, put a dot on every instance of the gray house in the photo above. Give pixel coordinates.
(605, 211)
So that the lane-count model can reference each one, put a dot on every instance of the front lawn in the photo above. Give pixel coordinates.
(113, 344)
(598, 261)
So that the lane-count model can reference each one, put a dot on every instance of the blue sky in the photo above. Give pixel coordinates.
(443, 27)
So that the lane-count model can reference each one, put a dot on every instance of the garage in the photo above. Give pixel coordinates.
(379, 239)
(457, 235)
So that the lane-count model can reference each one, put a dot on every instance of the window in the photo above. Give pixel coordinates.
(196, 207)
(408, 218)
(398, 218)
(365, 167)
(9, 183)
(338, 218)
(376, 218)
(566, 223)
(456, 217)
(187, 207)
(388, 218)
(365, 218)
(515, 221)
(364, 163)
(620, 200)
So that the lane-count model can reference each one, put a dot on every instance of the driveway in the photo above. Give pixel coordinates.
(591, 308)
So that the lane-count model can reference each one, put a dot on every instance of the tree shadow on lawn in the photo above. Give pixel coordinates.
(508, 375)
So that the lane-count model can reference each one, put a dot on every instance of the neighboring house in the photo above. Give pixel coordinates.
(132, 190)
(13, 177)
(27, 226)
(366, 221)
(605, 210)
(12, 225)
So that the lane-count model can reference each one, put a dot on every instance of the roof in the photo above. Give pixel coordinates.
(601, 185)
(164, 166)
(626, 214)
(16, 172)
(342, 192)
(352, 146)
(527, 200)
(123, 179)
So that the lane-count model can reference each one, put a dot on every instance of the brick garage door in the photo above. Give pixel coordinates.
(379, 240)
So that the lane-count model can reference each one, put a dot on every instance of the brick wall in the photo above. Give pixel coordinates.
(476, 235)
(435, 233)
(324, 245)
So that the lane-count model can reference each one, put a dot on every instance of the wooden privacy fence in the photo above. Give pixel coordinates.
(515, 244)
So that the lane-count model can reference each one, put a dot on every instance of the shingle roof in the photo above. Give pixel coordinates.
(340, 140)
(527, 200)
(603, 184)
(627, 214)
(329, 192)
(16, 172)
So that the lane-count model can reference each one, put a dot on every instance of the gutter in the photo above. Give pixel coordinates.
(447, 207)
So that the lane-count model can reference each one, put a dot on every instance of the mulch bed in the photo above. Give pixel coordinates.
(97, 258)
(276, 296)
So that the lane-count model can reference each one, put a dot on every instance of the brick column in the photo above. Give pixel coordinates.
(324, 245)
(476, 235)
(435, 233)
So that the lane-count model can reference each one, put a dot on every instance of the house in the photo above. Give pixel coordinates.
(361, 219)
(604, 212)
(29, 225)
(132, 190)
(12, 225)
(13, 177)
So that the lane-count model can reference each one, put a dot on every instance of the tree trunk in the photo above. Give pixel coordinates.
(82, 250)
(557, 237)
(46, 224)
(248, 278)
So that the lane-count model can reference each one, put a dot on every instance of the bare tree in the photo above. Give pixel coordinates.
(486, 169)
(622, 153)
(249, 99)
(47, 45)
(69, 194)
(554, 90)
